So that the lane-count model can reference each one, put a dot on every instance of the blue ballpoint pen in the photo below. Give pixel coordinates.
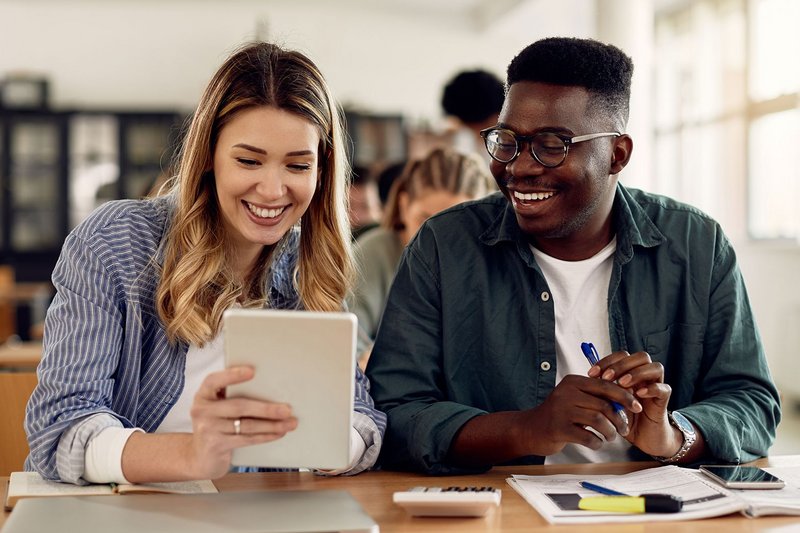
(590, 352)
(601, 490)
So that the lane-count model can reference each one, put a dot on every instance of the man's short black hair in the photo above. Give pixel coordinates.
(473, 96)
(360, 175)
(603, 69)
(386, 179)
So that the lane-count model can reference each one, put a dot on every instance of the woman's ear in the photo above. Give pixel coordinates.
(621, 153)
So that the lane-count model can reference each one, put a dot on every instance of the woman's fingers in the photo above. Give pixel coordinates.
(255, 426)
(249, 408)
(215, 383)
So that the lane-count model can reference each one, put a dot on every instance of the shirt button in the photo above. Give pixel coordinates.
(545, 365)
(545, 296)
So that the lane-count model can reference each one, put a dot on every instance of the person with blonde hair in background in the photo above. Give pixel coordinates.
(131, 384)
(426, 186)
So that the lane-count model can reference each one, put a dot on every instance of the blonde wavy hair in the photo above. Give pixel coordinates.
(443, 169)
(197, 283)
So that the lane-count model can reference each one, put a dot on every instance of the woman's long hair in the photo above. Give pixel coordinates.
(197, 283)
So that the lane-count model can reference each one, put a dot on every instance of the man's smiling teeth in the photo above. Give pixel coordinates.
(532, 196)
(264, 213)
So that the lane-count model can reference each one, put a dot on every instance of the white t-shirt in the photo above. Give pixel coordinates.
(580, 297)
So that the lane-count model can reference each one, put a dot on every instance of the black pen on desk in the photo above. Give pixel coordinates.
(590, 352)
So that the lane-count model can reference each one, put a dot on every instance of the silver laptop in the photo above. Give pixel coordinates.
(268, 512)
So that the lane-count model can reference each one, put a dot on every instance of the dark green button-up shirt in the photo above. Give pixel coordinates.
(469, 328)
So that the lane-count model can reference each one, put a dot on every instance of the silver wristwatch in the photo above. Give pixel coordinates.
(689, 437)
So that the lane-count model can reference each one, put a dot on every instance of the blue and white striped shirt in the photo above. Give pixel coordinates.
(106, 351)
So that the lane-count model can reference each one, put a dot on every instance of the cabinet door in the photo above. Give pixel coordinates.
(147, 145)
(36, 156)
(93, 163)
(3, 189)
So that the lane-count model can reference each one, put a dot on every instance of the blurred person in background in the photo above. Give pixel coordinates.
(386, 179)
(365, 208)
(426, 186)
(473, 98)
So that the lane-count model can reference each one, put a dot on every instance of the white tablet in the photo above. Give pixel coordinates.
(305, 359)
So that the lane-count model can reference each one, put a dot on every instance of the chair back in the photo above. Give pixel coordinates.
(8, 312)
(15, 389)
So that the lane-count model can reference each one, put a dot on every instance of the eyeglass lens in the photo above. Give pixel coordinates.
(549, 149)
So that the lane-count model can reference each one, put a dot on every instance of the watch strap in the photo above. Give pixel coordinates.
(689, 438)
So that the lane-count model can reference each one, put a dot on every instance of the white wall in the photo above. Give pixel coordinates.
(771, 273)
(160, 53)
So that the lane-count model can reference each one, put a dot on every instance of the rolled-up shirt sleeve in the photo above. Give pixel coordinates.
(369, 422)
(81, 352)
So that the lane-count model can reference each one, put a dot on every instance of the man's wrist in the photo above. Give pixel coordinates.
(687, 438)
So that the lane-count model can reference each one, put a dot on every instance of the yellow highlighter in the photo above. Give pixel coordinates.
(645, 503)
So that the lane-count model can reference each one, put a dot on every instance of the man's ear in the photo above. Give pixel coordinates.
(621, 153)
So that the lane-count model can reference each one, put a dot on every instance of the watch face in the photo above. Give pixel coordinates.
(682, 422)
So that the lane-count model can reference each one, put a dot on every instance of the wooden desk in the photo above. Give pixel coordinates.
(374, 491)
(20, 356)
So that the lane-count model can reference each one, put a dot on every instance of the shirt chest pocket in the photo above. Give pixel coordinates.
(680, 349)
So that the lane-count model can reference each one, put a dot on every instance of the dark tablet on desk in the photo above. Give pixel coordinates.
(229, 512)
(305, 359)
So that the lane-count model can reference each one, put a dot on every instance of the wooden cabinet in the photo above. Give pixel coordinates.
(57, 166)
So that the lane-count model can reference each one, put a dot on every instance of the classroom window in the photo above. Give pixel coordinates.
(727, 94)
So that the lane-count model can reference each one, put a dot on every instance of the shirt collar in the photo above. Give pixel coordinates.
(166, 208)
(634, 227)
(504, 227)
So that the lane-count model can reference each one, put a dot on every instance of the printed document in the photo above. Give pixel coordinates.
(556, 497)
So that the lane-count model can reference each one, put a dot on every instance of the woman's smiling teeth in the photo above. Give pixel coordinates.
(264, 213)
(533, 196)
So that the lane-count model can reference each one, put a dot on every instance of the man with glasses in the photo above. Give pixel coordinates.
(481, 356)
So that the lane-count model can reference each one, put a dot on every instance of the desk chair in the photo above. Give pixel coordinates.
(15, 389)
(8, 318)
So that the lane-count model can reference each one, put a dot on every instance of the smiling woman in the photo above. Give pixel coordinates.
(132, 383)
(265, 164)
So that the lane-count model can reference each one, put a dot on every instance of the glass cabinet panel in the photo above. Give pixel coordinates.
(56, 167)
(34, 178)
(148, 143)
(3, 190)
(93, 163)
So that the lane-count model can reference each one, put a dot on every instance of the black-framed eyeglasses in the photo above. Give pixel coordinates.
(548, 148)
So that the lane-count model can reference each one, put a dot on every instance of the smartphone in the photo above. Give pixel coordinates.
(742, 477)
